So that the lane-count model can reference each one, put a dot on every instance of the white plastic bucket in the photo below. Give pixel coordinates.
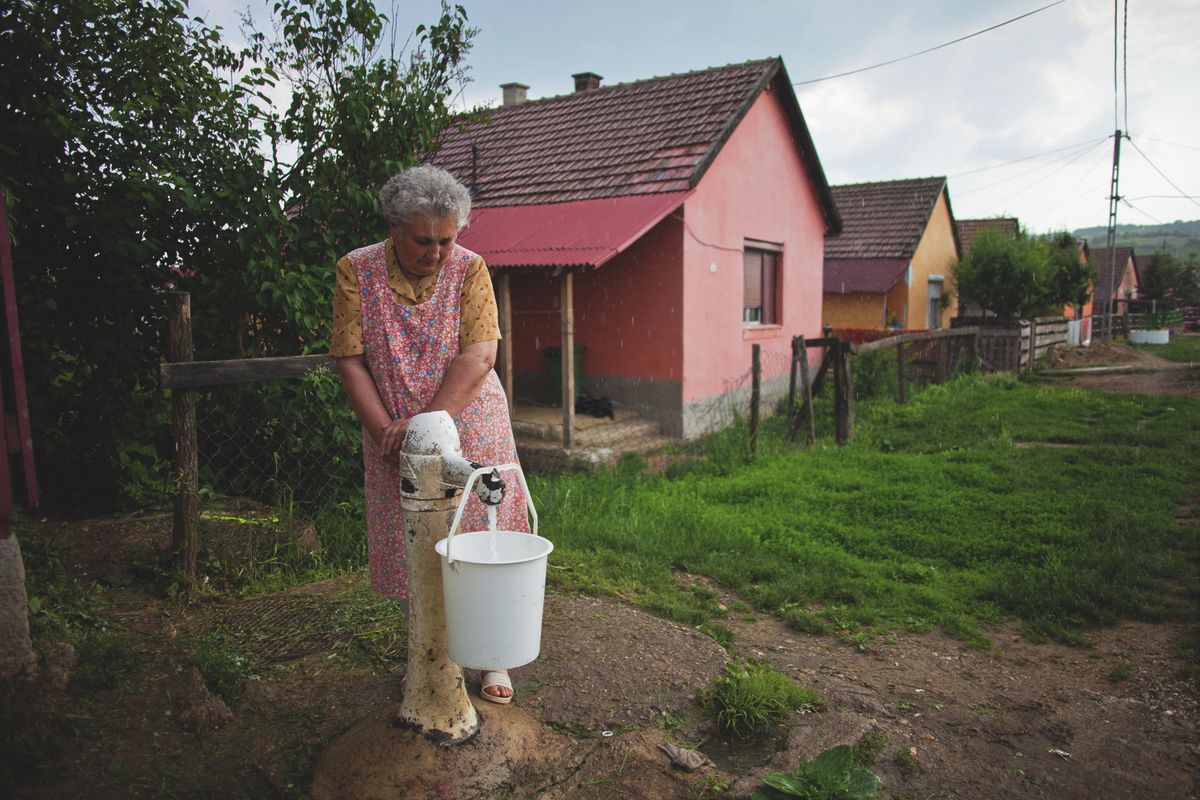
(494, 597)
(1138, 336)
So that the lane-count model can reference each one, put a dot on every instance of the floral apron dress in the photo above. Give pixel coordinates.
(408, 350)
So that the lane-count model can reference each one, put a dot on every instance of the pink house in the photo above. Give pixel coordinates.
(665, 226)
(1121, 284)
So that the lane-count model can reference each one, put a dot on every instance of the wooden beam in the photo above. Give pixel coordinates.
(199, 374)
(567, 313)
(184, 533)
(901, 378)
(504, 295)
(892, 341)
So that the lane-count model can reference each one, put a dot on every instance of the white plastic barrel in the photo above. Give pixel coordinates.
(494, 586)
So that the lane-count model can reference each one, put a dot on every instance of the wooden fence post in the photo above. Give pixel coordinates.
(1032, 344)
(810, 428)
(839, 388)
(846, 402)
(902, 379)
(943, 359)
(755, 395)
(184, 534)
(791, 396)
(973, 353)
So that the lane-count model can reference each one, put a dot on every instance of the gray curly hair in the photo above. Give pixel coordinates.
(424, 190)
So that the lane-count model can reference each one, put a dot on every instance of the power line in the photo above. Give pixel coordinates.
(1028, 158)
(1125, 62)
(1116, 88)
(1140, 211)
(1041, 179)
(1182, 193)
(1173, 144)
(930, 49)
(1070, 158)
(1060, 202)
(1166, 197)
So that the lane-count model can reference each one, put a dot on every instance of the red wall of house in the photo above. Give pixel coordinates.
(757, 187)
(628, 312)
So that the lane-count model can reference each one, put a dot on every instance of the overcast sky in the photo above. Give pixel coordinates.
(1043, 83)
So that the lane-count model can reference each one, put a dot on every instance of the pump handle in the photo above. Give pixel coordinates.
(462, 505)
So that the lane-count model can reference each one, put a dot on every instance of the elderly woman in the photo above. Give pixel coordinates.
(414, 330)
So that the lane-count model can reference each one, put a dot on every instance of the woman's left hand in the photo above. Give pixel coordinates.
(391, 438)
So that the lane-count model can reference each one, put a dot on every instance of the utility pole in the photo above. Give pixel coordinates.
(1111, 244)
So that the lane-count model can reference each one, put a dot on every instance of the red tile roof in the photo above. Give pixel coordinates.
(863, 275)
(578, 233)
(1103, 264)
(885, 219)
(968, 229)
(650, 136)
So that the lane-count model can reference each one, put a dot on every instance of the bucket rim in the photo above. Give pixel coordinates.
(440, 547)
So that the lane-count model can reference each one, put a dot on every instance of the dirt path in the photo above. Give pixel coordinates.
(1143, 372)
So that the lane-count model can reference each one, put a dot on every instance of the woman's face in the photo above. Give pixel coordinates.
(423, 243)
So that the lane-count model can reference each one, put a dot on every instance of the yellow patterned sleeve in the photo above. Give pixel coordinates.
(478, 319)
(346, 339)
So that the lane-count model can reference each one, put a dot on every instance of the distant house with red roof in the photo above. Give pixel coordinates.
(968, 229)
(894, 260)
(669, 224)
(1119, 284)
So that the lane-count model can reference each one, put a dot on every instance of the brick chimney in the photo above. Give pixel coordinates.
(586, 81)
(514, 93)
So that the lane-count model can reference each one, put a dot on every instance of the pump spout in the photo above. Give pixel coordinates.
(489, 489)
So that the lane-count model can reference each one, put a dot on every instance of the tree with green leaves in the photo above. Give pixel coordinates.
(1022, 276)
(142, 154)
(1163, 276)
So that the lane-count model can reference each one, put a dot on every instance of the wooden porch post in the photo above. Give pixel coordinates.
(504, 297)
(567, 311)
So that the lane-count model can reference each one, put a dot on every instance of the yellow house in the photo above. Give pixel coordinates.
(894, 261)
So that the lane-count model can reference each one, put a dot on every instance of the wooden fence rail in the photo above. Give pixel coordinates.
(183, 377)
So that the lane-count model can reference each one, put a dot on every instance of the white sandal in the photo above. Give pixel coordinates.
(495, 678)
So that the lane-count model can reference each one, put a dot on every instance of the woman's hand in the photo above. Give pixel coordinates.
(390, 438)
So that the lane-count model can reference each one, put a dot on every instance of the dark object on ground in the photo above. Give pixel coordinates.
(594, 406)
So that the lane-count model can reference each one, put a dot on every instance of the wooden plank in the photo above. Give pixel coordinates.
(755, 395)
(16, 365)
(184, 533)
(901, 379)
(567, 313)
(506, 343)
(893, 341)
(203, 374)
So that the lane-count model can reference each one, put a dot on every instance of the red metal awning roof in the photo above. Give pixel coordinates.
(863, 275)
(581, 233)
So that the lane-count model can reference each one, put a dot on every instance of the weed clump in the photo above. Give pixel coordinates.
(751, 696)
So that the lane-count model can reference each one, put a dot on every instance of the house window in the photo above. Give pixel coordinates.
(760, 285)
(934, 319)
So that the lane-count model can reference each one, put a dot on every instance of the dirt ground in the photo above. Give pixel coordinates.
(1124, 369)
(1024, 719)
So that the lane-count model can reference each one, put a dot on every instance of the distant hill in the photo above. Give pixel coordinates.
(1178, 238)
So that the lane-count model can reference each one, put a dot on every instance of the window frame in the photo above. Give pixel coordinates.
(770, 309)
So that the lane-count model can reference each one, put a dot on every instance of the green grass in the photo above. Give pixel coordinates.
(1180, 348)
(751, 696)
(933, 516)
